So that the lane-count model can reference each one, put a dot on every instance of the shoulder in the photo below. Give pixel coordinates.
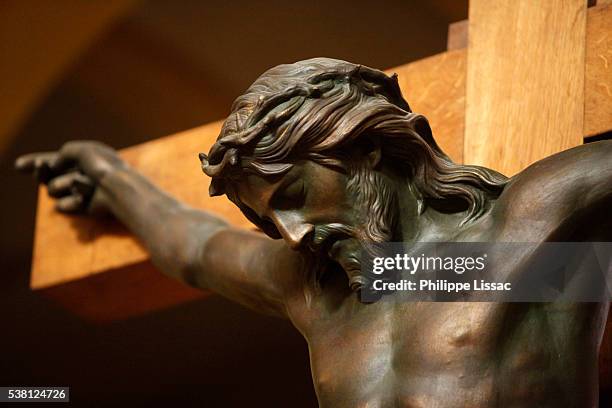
(581, 175)
(562, 186)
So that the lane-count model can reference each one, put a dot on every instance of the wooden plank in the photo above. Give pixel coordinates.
(525, 81)
(598, 72)
(127, 291)
(457, 36)
(598, 66)
(72, 250)
(69, 248)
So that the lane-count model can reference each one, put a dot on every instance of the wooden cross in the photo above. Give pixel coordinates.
(533, 80)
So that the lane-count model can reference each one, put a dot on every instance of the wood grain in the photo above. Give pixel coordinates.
(525, 81)
(598, 66)
(598, 71)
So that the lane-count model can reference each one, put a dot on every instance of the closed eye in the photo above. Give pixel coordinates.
(290, 196)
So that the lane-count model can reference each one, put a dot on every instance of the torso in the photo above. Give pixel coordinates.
(398, 354)
(456, 355)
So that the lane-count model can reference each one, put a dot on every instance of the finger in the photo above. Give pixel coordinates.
(42, 172)
(62, 163)
(83, 185)
(69, 182)
(27, 162)
(69, 154)
(70, 204)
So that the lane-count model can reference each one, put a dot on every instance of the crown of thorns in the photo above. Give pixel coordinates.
(225, 161)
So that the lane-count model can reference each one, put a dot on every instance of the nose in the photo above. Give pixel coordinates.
(292, 227)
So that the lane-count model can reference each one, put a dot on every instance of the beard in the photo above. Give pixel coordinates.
(376, 200)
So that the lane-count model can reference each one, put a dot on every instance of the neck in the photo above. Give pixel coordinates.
(432, 225)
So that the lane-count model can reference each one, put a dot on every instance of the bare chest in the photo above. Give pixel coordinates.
(447, 354)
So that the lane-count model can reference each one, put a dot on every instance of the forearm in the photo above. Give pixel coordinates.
(172, 232)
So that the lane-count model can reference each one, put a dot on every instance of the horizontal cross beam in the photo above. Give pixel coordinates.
(100, 272)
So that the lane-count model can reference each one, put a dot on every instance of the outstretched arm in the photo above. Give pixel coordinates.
(190, 245)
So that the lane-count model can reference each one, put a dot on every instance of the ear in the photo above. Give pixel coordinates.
(372, 151)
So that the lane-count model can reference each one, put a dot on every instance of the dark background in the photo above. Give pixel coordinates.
(160, 68)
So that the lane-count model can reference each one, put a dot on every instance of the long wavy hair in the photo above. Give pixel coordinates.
(315, 109)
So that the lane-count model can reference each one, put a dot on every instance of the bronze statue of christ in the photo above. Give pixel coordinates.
(326, 157)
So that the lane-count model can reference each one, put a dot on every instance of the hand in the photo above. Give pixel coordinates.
(73, 174)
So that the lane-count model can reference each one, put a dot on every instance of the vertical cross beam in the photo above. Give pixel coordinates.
(525, 81)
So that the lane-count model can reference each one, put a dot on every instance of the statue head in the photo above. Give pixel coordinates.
(317, 153)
